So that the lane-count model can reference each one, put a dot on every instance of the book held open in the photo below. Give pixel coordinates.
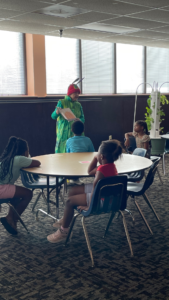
(67, 114)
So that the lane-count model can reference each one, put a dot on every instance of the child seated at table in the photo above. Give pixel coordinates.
(13, 158)
(79, 143)
(80, 196)
(141, 135)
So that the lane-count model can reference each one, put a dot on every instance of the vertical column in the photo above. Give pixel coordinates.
(155, 106)
(35, 65)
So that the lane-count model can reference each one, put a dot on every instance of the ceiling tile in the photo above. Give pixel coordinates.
(49, 20)
(25, 27)
(22, 5)
(164, 29)
(150, 34)
(85, 33)
(93, 16)
(154, 15)
(109, 6)
(134, 22)
(149, 3)
(6, 13)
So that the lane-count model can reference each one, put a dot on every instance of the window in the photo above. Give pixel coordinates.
(158, 67)
(62, 63)
(130, 68)
(97, 67)
(12, 64)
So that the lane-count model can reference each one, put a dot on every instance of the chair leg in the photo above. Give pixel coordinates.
(159, 176)
(36, 201)
(87, 240)
(127, 233)
(71, 227)
(23, 224)
(128, 211)
(150, 205)
(109, 222)
(143, 217)
(44, 198)
(164, 163)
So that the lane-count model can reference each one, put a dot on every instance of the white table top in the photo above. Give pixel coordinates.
(76, 164)
(165, 136)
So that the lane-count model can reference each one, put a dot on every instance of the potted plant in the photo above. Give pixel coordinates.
(160, 112)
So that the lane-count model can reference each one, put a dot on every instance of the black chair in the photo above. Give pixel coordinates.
(137, 176)
(7, 201)
(133, 145)
(31, 182)
(109, 197)
(139, 189)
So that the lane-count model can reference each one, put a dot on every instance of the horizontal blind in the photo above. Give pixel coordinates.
(130, 68)
(158, 67)
(97, 67)
(62, 63)
(12, 63)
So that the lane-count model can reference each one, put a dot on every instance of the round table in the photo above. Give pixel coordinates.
(76, 164)
(165, 136)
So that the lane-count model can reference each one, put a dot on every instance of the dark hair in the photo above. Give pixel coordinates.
(144, 125)
(77, 127)
(15, 146)
(111, 150)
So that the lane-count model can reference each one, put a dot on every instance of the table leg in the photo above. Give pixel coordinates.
(57, 199)
(48, 208)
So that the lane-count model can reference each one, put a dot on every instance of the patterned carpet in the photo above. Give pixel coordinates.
(32, 268)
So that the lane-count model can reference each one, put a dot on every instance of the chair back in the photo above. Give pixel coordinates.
(109, 195)
(150, 177)
(132, 143)
(166, 149)
(140, 152)
(157, 146)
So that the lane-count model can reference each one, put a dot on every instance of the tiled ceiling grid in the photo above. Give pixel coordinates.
(140, 22)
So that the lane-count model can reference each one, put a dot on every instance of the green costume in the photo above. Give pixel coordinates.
(63, 127)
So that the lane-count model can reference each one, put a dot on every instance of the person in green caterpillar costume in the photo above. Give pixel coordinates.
(63, 127)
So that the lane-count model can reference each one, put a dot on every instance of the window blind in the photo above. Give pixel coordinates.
(12, 63)
(158, 67)
(97, 67)
(130, 68)
(62, 63)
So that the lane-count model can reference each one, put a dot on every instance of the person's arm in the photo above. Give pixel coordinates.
(56, 112)
(146, 145)
(82, 118)
(127, 142)
(34, 163)
(93, 166)
(98, 176)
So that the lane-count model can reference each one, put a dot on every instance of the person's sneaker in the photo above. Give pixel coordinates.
(58, 223)
(57, 236)
(75, 182)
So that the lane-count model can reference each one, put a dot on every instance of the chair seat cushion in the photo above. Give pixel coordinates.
(134, 188)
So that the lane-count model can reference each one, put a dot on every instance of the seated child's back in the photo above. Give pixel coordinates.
(79, 143)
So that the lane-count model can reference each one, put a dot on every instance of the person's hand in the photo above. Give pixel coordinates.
(58, 110)
(83, 208)
(127, 142)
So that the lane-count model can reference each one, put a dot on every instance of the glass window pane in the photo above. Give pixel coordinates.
(62, 63)
(97, 67)
(158, 67)
(130, 68)
(12, 63)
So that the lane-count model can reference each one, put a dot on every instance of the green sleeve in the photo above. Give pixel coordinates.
(82, 118)
(54, 115)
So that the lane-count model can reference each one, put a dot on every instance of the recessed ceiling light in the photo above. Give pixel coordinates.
(61, 11)
(108, 28)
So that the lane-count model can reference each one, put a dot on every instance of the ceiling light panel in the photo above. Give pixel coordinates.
(49, 20)
(108, 6)
(133, 22)
(107, 28)
(149, 3)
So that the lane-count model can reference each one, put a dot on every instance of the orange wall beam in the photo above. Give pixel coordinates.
(35, 65)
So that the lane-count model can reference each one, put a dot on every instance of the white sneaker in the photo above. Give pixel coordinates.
(57, 236)
(58, 223)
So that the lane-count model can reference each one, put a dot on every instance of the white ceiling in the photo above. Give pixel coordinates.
(140, 22)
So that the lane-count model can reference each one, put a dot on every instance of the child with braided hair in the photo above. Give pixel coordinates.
(80, 196)
(13, 158)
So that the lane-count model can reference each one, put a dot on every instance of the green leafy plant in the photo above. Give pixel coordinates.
(148, 115)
